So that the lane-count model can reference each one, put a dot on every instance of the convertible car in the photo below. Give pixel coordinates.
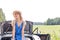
(6, 32)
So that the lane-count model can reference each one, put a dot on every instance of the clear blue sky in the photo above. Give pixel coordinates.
(33, 10)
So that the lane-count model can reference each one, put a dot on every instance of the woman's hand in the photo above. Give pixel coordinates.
(13, 39)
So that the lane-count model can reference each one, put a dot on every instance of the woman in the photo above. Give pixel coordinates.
(18, 26)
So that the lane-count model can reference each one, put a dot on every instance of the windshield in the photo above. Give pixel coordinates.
(7, 28)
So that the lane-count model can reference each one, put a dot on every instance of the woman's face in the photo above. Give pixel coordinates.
(16, 15)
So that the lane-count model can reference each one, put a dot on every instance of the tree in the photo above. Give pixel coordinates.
(2, 16)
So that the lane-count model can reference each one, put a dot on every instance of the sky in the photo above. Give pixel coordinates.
(32, 10)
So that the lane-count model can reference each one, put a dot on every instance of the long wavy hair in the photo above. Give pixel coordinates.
(19, 13)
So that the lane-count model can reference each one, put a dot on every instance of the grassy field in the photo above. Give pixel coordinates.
(53, 30)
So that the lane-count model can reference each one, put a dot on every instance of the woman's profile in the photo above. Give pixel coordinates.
(18, 26)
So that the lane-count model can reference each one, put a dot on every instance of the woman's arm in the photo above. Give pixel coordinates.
(24, 24)
(13, 29)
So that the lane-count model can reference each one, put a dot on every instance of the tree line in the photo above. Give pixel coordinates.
(55, 21)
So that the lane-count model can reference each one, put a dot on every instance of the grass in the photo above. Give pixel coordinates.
(53, 30)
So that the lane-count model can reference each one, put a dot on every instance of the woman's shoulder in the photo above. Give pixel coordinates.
(13, 22)
(24, 22)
